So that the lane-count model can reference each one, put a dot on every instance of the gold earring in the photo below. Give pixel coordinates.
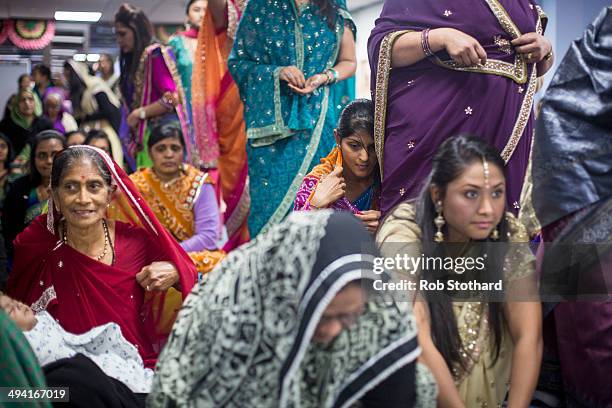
(495, 234)
(439, 221)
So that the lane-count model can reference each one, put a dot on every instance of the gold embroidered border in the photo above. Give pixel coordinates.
(382, 84)
(241, 212)
(233, 11)
(473, 332)
(542, 20)
(517, 71)
(313, 145)
(176, 78)
(523, 118)
(504, 19)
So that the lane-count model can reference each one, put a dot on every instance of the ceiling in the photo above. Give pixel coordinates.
(159, 11)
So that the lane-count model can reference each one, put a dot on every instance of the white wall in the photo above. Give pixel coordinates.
(364, 19)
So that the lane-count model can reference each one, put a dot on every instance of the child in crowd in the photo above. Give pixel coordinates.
(104, 345)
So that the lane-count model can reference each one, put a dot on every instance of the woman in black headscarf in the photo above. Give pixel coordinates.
(285, 321)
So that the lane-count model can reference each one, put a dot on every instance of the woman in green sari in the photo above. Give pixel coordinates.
(287, 57)
(19, 366)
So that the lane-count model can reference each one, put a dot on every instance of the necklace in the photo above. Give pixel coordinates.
(106, 239)
(365, 200)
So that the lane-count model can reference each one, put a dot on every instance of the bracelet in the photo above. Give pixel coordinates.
(329, 76)
(311, 205)
(142, 114)
(548, 56)
(425, 43)
(168, 100)
(334, 74)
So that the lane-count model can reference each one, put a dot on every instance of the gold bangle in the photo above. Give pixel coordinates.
(548, 56)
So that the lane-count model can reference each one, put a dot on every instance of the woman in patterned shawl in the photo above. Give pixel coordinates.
(150, 85)
(284, 321)
(286, 55)
(442, 68)
(476, 343)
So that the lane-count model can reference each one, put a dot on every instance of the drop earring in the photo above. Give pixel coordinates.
(495, 234)
(439, 222)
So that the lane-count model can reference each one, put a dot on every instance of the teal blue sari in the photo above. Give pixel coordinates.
(183, 46)
(287, 133)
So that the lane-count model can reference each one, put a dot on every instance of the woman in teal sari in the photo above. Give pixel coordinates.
(184, 45)
(287, 59)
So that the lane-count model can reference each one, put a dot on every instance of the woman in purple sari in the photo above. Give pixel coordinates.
(458, 67)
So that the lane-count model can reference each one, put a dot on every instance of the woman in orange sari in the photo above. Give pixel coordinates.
(347, 179)
(218, 116)
(181, 197)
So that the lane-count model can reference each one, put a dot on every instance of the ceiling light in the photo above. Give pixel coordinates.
(78, 16)
(80, 57)
(93, 57)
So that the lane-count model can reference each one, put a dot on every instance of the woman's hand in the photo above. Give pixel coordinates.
(329, 190)
(133, 118)
(535, 47)
(461, 47)
(293, 76)
(312, 84)
(159, 276)
(370, 219)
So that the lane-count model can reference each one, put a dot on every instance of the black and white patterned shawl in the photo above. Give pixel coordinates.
(243, 337)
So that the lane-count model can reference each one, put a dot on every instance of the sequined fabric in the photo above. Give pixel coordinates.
(287, 133)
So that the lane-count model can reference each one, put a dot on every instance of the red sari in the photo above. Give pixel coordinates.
(83, 293)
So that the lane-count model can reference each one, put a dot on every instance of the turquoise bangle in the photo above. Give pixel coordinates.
(335, 74)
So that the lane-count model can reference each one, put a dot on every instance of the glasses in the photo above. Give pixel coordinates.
(345, 319)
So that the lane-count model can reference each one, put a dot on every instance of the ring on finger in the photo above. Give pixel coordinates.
(289, 75)
(148, 288)
(529, 55)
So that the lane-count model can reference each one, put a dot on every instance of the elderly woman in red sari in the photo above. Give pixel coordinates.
(86, 269)
(474, 64)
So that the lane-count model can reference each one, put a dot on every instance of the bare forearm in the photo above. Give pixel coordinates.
(217, 10)
(346, 64)
(408, 50)
(526, 360)
(155, 109)
(345, 69)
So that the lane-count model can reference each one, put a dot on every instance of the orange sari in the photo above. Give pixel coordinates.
(219, 124)
(172, 204)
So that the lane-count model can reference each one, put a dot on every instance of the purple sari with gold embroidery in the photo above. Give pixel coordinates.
(421, 105)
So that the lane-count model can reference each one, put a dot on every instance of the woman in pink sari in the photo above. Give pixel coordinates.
(87, 269)
(150, 85)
